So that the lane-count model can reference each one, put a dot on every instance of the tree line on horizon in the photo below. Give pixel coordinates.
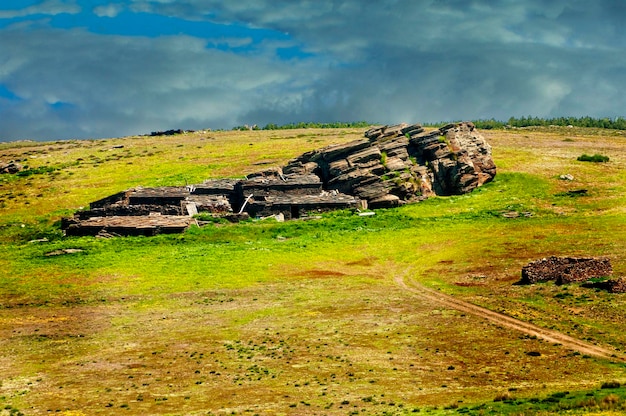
(307, 125)
(617, 123)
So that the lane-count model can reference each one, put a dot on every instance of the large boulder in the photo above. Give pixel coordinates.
(396, 164)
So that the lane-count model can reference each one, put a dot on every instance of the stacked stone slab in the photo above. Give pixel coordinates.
(215, 196)
(146, 225)
(291, 195)
(402, 163)
(566, 269)
(149, 211)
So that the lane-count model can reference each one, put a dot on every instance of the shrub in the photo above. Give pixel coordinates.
(36, 171)
(597, 158)
(611, 385)
(610, 401)
(503, 397)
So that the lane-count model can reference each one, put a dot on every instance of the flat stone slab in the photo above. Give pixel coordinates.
(131, 225)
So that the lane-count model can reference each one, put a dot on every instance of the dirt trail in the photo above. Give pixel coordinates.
(506, 321)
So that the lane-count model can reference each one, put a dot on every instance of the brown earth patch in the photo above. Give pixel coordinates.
(469, 284)
(367, 261)
(54, 322)
(322, 273)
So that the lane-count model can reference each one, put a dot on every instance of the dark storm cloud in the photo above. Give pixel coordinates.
(77, 84)
(284, 61)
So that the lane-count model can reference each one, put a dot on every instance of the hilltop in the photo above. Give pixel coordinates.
(393, 313)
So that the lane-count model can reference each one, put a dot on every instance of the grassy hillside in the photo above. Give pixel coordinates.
(308, 317)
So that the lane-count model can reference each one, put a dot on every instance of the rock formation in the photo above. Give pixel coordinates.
(402, 163)
(616, 285)
(390, 166)
(10, 167)
(566, 269)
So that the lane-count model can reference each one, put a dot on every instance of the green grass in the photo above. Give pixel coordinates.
(304, 317)
(604, 399)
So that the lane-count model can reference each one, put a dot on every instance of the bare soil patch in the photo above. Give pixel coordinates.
(322, 273)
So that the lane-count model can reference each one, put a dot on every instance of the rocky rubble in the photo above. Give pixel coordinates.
(10, 167)
(616, 285)
(566, 269)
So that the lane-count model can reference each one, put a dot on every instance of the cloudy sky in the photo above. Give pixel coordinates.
(100, 68)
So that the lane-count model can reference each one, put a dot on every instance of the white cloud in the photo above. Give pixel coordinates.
(48, 7)
(108, 10)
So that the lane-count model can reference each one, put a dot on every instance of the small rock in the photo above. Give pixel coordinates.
(566, 177)
(366, 214)
(40, 240)
(510, 214)
(63, 251)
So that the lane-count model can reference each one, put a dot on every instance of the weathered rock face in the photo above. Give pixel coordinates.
(393, 165)
(566, 269)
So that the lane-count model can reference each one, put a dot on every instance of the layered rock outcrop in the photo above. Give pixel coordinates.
(390, 166)
(403, 163)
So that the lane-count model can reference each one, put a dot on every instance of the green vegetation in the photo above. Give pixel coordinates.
(617, 123)
(595, 158)
(580, 402)
(383, 159)
(307, 317)
(308, 125)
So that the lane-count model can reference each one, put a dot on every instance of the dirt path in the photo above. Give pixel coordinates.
(506, 321)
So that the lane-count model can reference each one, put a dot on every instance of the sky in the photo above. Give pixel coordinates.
(73, 69)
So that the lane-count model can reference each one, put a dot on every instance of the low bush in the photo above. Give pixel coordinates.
(597, 158)
(36, 171)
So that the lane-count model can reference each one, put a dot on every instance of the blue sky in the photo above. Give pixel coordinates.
(97, 68)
